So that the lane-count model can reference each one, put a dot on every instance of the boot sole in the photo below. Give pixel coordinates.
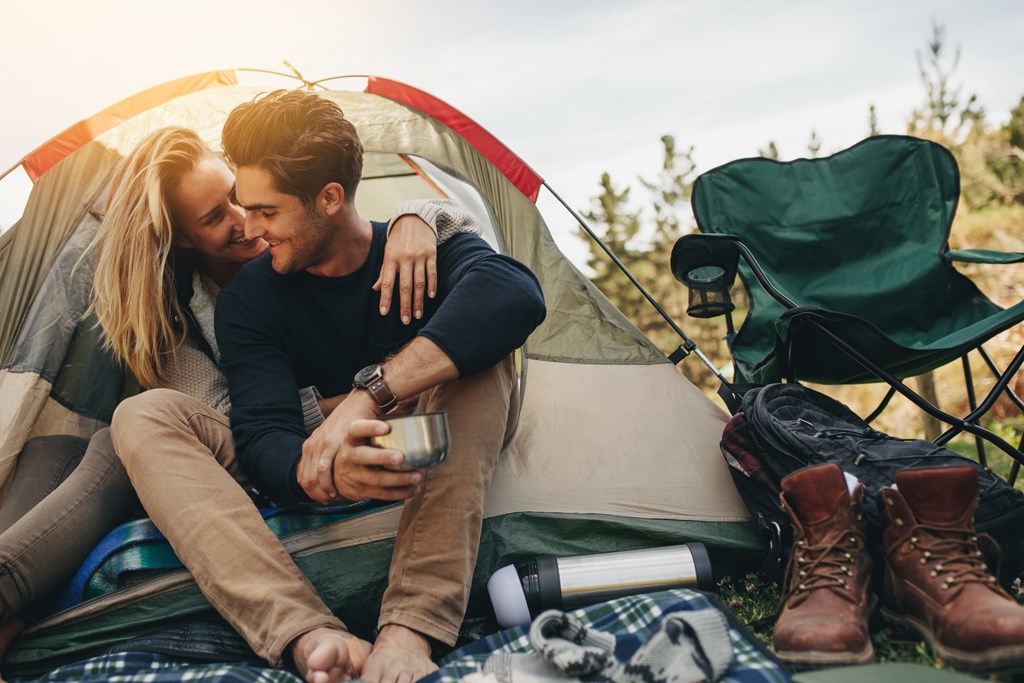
(1009, 656)
(813, 658)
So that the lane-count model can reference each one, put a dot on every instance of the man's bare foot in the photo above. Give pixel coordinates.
(328, 655)
(9, 630)
(400, 655)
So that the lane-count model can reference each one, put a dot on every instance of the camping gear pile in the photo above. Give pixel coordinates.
(782, 428)
(847, 265)
(934, 580)
(615, 450)
(857, 513)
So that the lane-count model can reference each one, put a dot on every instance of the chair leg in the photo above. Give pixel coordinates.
(973, 404)
(1000, 386)
(967, 424)
(1015, 467)
(995, 371)
(881, 406)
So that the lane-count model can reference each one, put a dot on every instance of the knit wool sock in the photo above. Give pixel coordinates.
(688, 647)
(565, 650)
(569, 646)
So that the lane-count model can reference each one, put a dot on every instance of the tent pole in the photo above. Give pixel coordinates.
(11, 169)
(688, 346)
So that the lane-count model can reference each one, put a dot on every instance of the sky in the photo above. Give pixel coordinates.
(575, 88)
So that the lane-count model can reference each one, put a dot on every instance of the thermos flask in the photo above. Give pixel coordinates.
(521, 592)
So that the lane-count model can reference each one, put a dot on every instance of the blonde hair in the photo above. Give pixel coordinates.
(134, 293)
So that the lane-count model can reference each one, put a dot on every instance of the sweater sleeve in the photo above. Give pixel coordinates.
(266, 413)
(444, 217)
(491, 304)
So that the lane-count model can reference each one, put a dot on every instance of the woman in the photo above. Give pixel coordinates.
(172, 237)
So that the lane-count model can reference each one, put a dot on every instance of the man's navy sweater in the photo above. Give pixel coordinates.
(281, 332)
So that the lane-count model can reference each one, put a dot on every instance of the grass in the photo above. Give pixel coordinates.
(997, 461)
(754, 599)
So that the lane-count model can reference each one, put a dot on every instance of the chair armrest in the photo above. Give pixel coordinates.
(696, 251)
(722, 245)
(983, 256)
(699, 252)
(706, 264)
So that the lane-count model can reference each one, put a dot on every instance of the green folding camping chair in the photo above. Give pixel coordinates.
(847, 266)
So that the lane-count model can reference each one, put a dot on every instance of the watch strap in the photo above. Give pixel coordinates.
(371, 378)
(382, 394)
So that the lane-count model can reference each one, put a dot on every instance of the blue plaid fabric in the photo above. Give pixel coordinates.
(631, 620)
(138, 667)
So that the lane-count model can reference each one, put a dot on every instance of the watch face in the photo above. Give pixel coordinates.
(366, 375)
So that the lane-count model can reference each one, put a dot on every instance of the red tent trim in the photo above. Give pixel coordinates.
(44, 157)
(514, 168)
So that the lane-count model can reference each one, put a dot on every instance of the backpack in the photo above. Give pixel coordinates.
(781, 428)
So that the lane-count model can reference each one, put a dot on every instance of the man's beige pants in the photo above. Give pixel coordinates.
(180, 457)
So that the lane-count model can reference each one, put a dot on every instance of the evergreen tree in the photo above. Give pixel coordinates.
(647, 255)
(769, 152)
(992, 175)
(814, 144)
(872, 121)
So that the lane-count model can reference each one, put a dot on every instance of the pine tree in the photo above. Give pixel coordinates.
(769, 152)
(647, 254)
(872, 121)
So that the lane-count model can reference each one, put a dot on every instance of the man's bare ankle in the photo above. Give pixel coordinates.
(403, 636)
(399, 654)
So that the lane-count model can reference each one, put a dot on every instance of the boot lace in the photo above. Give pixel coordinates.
(826, 564)
(953, 554)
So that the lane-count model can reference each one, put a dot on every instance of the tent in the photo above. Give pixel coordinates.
(615, 449)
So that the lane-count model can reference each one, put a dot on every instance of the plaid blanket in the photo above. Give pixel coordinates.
(144, 667)
(630, 620)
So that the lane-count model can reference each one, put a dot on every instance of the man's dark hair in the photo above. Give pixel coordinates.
(301, 139)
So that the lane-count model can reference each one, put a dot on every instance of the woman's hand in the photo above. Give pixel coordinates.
(327, 405)
(410, 255)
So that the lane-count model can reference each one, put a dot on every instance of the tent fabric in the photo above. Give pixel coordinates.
(41, 160)
(514, 168)
(615, 449)
(58, 379)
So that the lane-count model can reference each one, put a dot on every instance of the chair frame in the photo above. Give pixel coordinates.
(722, 251)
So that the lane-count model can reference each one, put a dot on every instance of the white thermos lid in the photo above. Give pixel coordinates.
(508, 598)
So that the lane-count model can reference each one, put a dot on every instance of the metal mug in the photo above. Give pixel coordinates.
(422, 438)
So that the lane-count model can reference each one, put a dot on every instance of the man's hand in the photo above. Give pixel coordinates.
(338, 463)
(410, 254)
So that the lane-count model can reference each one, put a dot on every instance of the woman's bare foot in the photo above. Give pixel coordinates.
(9, 630)
(328, 655)
(400, 655)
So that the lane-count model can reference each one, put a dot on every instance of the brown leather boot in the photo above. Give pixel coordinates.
(824, 611)
(936, 580)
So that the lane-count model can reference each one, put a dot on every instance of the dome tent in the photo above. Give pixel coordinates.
(614, 448)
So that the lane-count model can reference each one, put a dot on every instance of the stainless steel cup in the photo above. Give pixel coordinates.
(423, 439)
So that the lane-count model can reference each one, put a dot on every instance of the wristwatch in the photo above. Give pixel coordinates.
(371, 378)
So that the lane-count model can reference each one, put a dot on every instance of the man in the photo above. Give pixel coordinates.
(304, 314)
